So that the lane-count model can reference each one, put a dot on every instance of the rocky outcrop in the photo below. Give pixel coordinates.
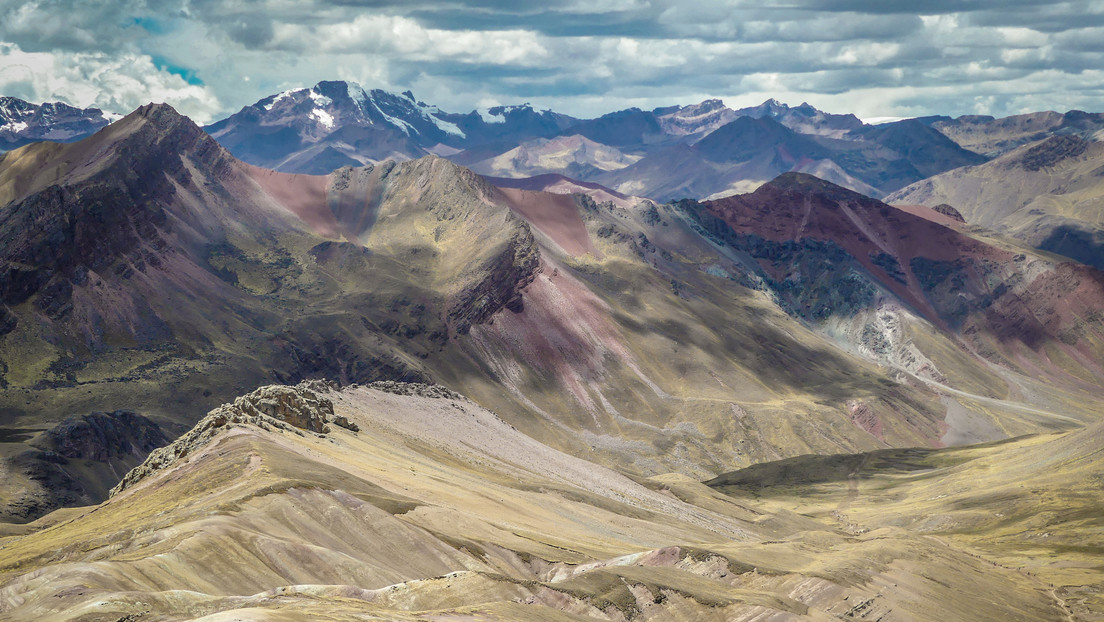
(506, 275)
(77, 461)
(434, 391)
(271, 407)
(949, 211)
(103, 436)
(300, 406)
(1052, 151)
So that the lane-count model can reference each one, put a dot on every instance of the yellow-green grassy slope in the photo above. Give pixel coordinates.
(1031, 505)
(437, 509)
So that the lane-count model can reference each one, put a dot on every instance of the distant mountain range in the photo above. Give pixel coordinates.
(22, 123)
(696, 151)
(335, 124)
(648, 153)
(668, 153)
(993, 137)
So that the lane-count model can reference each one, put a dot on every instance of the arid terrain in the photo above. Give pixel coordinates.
(396, 389)
(435, 508)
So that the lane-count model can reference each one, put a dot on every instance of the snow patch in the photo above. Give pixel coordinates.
(281, 96)
(13, 126)
(357, 94)
(319, 99)
(323, 117)
(445, 126)
(399, 123)
(488, 118)
(881, 120)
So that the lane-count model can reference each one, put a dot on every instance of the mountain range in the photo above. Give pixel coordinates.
(1046, 193)
(22, 122)
(548, 397)
(668, 153)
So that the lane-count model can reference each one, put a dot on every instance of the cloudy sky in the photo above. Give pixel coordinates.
(876, 58)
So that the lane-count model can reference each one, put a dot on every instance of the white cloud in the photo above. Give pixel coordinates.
(406, 38)
(583, 57)
(113, 83)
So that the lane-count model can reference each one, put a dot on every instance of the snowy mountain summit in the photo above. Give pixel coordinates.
(22, 122)
(340, 123)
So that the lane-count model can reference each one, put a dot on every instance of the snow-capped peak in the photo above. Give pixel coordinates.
(22, 122)
(278, 98)
(488, 117)
(357, 94)
(319, 99)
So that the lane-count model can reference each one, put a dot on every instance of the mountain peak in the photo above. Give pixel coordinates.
(162, 118)
(22, 122)
(696, 119)
(806, 184)
(157, 112)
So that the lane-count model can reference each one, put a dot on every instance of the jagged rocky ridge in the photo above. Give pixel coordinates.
(22, 122)
(275, 406)
(667, 153)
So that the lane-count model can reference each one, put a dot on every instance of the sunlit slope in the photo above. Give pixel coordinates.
(189, 277)
(436, 508)
(1047, 194)
(561, 313)
(1031, 505)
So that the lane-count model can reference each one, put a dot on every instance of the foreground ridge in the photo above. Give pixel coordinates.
(269, 509)
(296, 409)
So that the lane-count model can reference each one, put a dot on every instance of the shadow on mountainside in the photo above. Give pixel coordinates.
(1080, 245)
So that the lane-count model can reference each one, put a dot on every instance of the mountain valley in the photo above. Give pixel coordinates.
(343, 355)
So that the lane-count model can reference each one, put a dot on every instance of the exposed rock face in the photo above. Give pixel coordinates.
(506, 275)
(950, 211)
(68, 463)
(115, 220)
(103, 436)
(828, 253)
(419, 389)
(275, 406)
(300, 406)
(804, 118)
(1052, 151)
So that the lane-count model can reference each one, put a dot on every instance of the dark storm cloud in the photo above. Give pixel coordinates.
(1049, 18)
(873, 57)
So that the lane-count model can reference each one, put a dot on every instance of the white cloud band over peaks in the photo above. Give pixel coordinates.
(874, 58)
